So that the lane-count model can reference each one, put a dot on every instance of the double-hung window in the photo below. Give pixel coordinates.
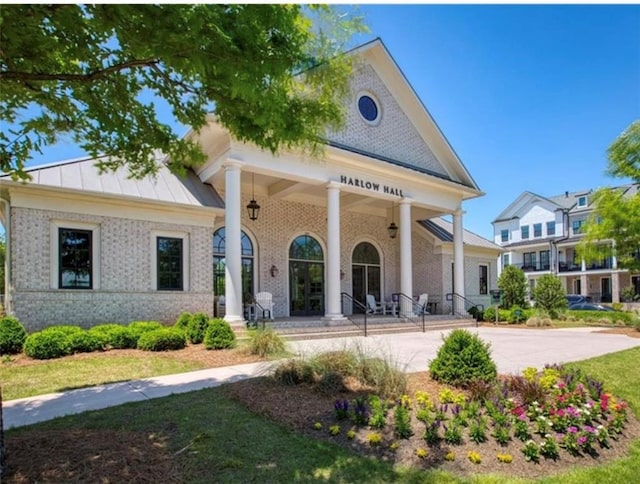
(551, 228)
(537, 230)
(484, 279)
(169, 253)
(75, 258)
(524, 231)
(504, 235)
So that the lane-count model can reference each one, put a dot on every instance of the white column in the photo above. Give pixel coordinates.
(333, 310)
(458, 255)
(406, 269)
(615, 287)
(233, 245)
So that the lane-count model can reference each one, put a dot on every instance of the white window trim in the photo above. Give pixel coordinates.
(54, 227)
(375, 99)
(185, 258)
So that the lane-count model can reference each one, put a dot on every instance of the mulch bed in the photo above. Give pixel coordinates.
(303, 406)
(93, 456)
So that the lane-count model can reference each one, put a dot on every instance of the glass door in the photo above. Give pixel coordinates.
(306, 277)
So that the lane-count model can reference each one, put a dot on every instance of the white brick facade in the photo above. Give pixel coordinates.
(125, 291)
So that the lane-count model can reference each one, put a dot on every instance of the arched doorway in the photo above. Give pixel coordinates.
(219, 265)
(306, 277)
(366, 272)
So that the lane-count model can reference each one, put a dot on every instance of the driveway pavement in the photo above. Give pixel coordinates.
(512, 350)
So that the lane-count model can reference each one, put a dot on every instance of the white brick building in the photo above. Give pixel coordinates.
(85, 248)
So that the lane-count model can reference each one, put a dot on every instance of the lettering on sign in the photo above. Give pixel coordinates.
(369, 185)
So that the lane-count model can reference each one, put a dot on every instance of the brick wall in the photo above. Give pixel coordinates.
(125, 287)
(394, 137)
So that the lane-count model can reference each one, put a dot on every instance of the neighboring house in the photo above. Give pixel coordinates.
(87, 248)
(540, 235)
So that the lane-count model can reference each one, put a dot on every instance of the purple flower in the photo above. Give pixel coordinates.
(589, 429)
(572, 430)
(582, 440)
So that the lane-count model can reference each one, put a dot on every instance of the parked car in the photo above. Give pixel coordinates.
(578, 298)
(585, 306)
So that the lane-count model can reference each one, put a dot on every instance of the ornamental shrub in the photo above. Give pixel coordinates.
(12, 335)
(463, 358)
(219, 335)
(49, 343)
(513, 284)
(84, 342)
(115, 336)
(163, 339)
(183, 321)
(196, 328)
(138, 328)
(550, 295)
(266, 342)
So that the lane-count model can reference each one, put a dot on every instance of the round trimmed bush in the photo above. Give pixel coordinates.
(219, 335)
(138, 328)
(47, 344)
(463, 358)
(115, 336)
(84, 342)
(12, 335)
(196, 328)
(163, 339)
(183, 321)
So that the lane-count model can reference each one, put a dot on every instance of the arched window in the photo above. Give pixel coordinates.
(219, 264)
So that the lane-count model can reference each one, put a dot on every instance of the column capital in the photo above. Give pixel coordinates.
(405, 201)
(333, 185)
(231, 163)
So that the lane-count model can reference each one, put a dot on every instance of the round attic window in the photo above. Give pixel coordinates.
(368, 108)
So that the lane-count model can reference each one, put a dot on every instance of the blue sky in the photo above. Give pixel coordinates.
(529, 96)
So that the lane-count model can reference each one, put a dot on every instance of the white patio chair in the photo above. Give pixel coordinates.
(373, 306)
(421, 305)
(265, 302)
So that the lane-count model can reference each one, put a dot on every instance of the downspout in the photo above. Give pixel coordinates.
(8, 289)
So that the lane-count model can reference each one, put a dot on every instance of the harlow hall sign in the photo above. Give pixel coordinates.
(368, 185)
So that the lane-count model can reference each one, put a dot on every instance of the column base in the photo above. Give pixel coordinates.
(333, 319)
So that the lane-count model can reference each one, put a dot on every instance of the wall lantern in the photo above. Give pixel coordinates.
(253, 208)
(393, 228)
(342, 274)
(274, 271)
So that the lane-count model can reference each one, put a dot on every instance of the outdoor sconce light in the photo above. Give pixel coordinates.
(273, 271)
(341, 274)
(253, 208)
(393, 228)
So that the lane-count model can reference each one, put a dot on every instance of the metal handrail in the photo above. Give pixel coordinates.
(408, 308)
(467, 304)
(354, 304)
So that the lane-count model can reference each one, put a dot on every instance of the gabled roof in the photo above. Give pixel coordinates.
(376, 54)
(82, 175)
(525, 197)
(443, 230)
(567, 201)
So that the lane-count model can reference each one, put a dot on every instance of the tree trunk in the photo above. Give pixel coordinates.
(3, 455)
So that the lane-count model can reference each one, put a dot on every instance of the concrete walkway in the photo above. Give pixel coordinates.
(512, 350)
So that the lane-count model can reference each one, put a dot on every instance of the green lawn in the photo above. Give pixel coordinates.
(235, 445)
(96, 369)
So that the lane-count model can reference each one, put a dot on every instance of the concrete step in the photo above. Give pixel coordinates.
(343, 332)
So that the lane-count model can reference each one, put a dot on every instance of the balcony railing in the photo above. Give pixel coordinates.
(571, 267)
(533, 267)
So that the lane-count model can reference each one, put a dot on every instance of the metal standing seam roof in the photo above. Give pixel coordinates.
(165, 186)
(443, 230)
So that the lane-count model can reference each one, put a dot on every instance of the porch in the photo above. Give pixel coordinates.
(314, 327)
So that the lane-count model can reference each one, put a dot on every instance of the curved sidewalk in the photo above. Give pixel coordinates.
(512, 350)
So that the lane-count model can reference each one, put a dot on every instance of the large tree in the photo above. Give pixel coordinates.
(616, 212)
(271, 74)
(96, 74)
